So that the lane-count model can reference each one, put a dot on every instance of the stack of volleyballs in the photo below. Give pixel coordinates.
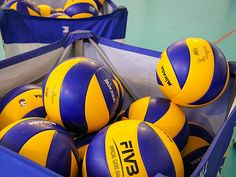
(82, 97)
(71, 9)
(193, 73)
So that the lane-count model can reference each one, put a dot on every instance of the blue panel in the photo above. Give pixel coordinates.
(189, 165)
(157, 108)
(38, 112)
(156, 157)
(84, 140)
(198, 131)
(105, 81)
(73, 95)
(59, 155)
(23, 131)
(22, 7)
(179, 56)
(219, 77)
(96, 163)
(15, 92)
(80, 8)
(13, 164)
(181, 138)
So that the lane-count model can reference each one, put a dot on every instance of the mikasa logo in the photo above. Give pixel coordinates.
(167, 80)
(111, 90)
(41, 122)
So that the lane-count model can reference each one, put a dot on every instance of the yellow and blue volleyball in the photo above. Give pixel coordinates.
(60, 15)
(81, 8)
(192, 72)
(198, 143)
(24, 7)
(82, 143)
(21, 102)
(132, 148)
(43, 142)
(81, 95)
(164, 114)
(45, 10)
(99, 3)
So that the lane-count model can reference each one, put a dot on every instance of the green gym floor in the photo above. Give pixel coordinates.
(155, 24)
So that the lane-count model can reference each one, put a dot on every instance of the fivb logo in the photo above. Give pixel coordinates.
(129, 160)
(66, 29)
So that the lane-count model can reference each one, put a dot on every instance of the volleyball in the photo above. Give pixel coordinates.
(99, 3)
(164, 114)
(43, 142)
(81, 95)
(192, 72)
(45, 10)
(21, 102)
(24, 7)
(60, 15)
(81, 8)
(132, 148)
(198, 143)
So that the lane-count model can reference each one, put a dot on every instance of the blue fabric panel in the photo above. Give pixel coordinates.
(29, 28)
(21, 166)
(213, 158)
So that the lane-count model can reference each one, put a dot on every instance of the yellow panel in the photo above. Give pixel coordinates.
(14, 110)
(64, 17)
(72, 2)
(45, 10)
(173, 118)
(138, 109)
(59, 10)
(96, 116)
(167, 76)
(37, 147)
(114, 149)
(7, 128)
(32, 12)
(173, 151)
(53, 88)
(84, 167)
(102, 1)
(193, 144)
(200, 72)
(82, 15)
(14, 6)
(74, 166)
(82, 150)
